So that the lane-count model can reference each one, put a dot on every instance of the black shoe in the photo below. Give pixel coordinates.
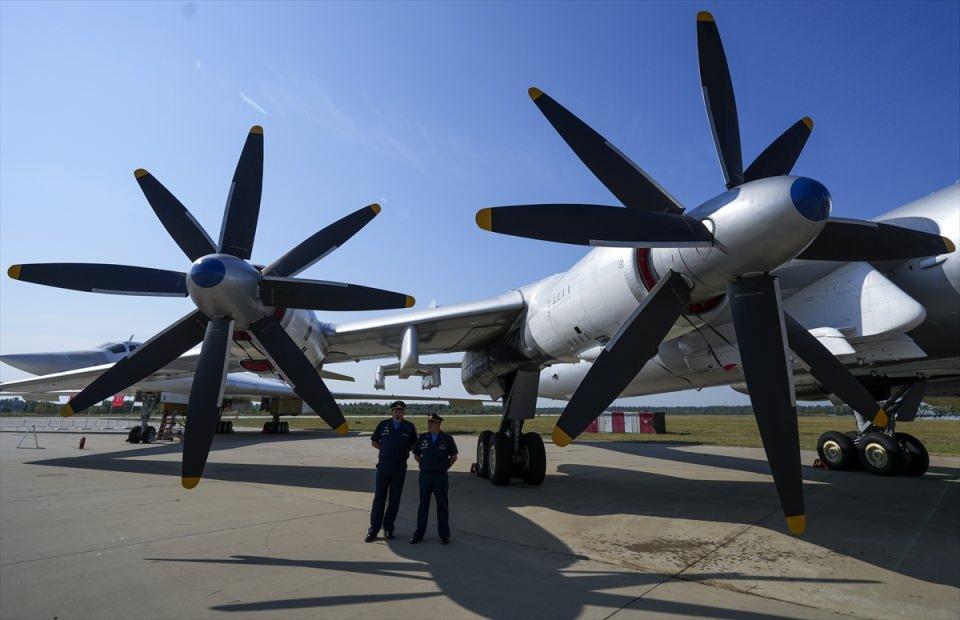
(415, 539)
(389, 535)
(370, 538)
(444, 541)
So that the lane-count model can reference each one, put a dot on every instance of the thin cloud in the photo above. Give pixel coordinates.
(253, 104)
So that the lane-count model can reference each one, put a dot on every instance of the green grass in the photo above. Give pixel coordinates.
(940, 436)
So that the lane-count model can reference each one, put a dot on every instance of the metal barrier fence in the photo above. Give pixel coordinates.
(74, 423)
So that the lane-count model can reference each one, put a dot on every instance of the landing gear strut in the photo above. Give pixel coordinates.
(880, 451)
(510, 452)
(143, 432)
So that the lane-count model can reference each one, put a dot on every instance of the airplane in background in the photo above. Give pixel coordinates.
(60, 361)
(667, 299)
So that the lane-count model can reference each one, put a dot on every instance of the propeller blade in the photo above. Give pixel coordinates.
(330, 296)
(850, 240)
(625, 180)
(718, 98)
(286, 355)
(595, 225)
(180, 223)
(758, 321)
(634, 343)
(243, 202)
(781, 156)
(206, 393)
(149, 357)
(321, 243)
(831, 374)
(101, 278)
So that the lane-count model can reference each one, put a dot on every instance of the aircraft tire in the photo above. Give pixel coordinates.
(284, 428)
(266, 428)
(483, 454)
(919, 458)
(134, 435)
(500, 459)
(880, 454)
(148, 435)
(837, 451)
(230, 426)
(534, 459)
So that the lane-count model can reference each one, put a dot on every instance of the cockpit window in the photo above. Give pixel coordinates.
(133, 346)
(117, 348)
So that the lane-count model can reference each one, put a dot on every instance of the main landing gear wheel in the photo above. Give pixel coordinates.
(483, 454)
(919, 460)
(148, 435)
(134, 435)
(225, 426)
(500, 459)
(274, 428)
(881, 454)
(534, 458)
(837, 451)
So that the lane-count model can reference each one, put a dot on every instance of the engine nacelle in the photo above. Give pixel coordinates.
(582, 309)
(305, 330)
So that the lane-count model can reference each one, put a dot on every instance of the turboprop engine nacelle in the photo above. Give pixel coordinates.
(757, 227)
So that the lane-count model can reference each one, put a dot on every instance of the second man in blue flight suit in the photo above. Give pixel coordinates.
(436, 452)
(393, 438)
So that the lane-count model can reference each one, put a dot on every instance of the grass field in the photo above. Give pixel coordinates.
(940, 436)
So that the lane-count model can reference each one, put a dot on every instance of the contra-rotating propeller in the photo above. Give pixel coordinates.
(230, 293)
(729, 245)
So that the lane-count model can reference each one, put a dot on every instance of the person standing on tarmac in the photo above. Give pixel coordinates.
(436, 452)
(393, 437)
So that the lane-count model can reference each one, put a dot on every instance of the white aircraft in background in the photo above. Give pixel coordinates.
(668, 299)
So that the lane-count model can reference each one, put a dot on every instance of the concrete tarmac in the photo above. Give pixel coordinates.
(275, 530)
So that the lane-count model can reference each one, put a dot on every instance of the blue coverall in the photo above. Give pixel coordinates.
(395, 443)
(434, 456)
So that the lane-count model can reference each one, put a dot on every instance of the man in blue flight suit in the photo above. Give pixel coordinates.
(393, 437)
(436, 452)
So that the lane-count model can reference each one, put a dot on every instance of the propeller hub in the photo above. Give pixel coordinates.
(226, 286)
(757, 227)
(811, 199)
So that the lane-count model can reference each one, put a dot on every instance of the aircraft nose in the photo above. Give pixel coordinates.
(811, 199)
(207, 272)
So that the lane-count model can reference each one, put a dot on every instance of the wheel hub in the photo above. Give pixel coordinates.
(832, 451)
(876, 455)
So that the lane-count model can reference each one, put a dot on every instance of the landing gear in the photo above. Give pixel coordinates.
(509, 452)
(138, 434)
(881, 454)
(837, 450)
(880, 451)
(276, 427)
(225, 426)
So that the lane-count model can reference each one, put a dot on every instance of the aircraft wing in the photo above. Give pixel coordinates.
(439, 330)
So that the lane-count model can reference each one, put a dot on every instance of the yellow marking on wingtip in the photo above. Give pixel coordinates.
(189, 483)
(140, 173)
(410, 301)
(14, 271)
(808, 122)
(705, 16)
(67, 410)
(342, 429)
(257, 130)
(797, 524)
(485, 219)
(881, 419)
(951, 248)
(534, 92)
(375, 208)
(560, 438)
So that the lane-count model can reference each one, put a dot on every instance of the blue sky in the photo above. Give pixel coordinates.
(423, 108)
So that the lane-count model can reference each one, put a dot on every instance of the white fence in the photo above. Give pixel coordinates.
(73, 423)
